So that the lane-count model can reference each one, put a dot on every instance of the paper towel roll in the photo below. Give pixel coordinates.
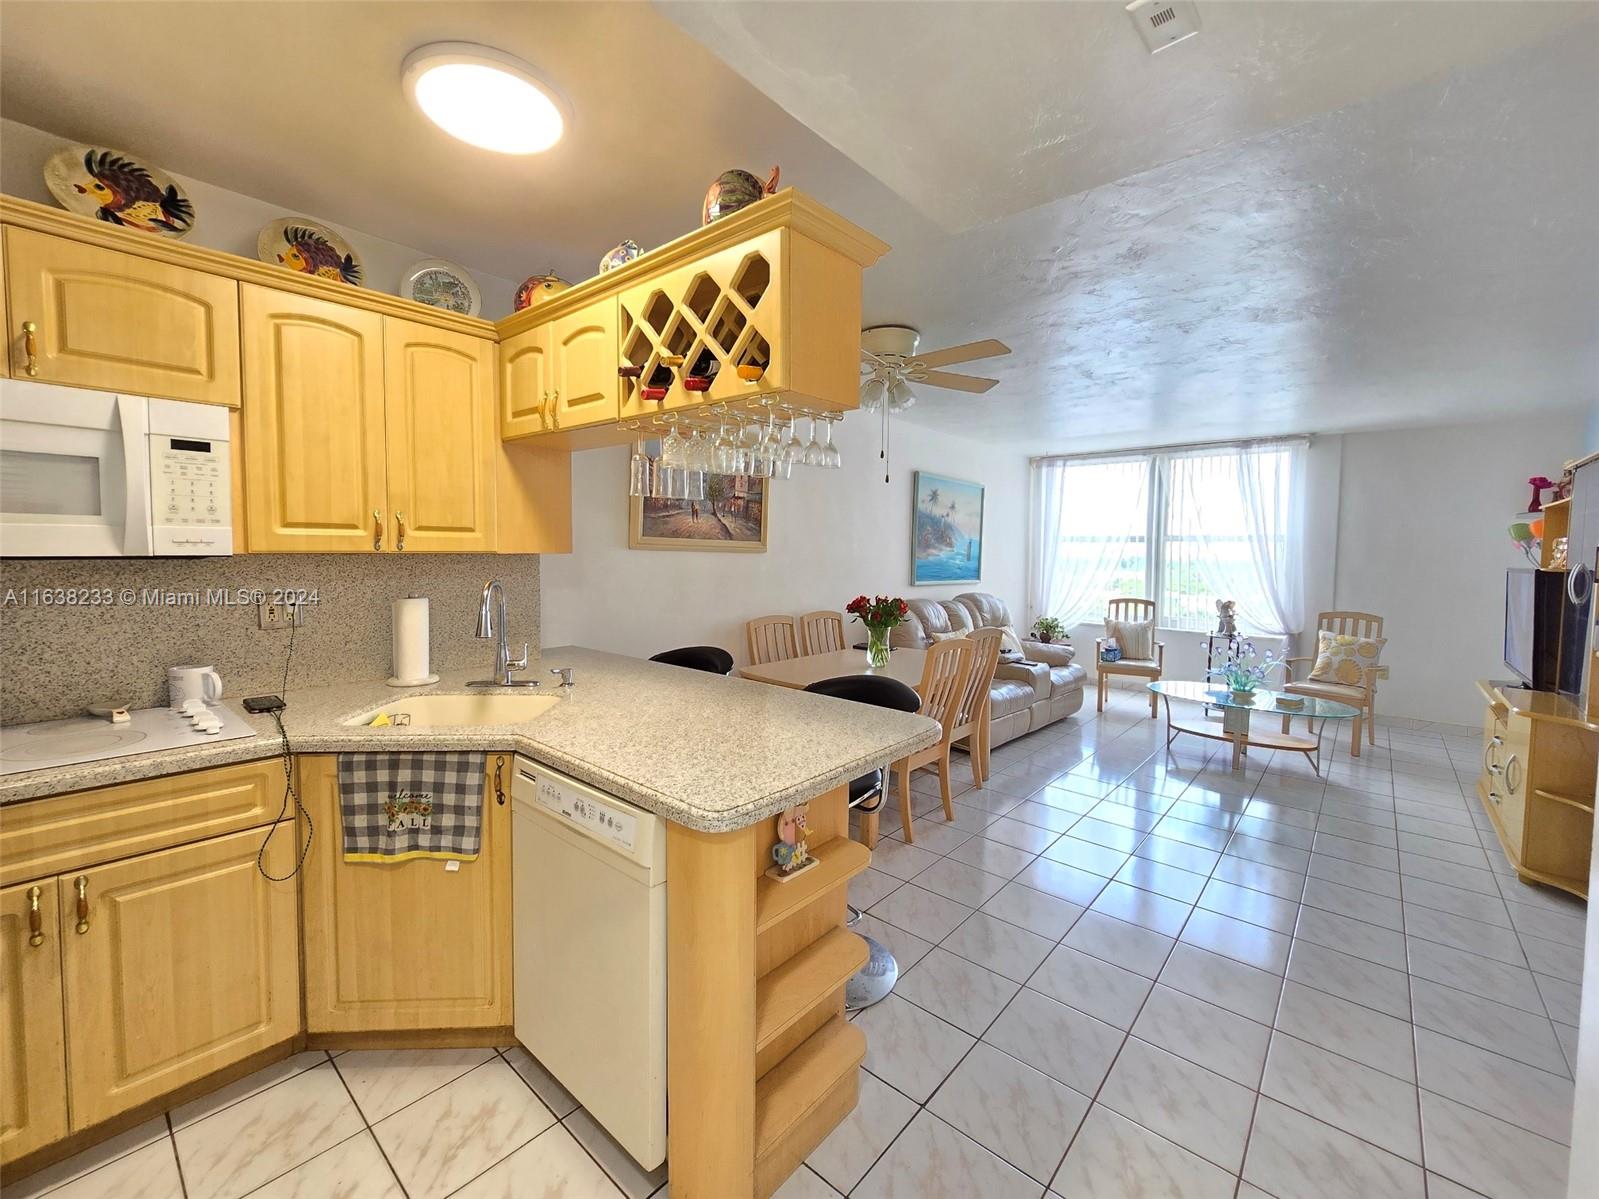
(411, 643)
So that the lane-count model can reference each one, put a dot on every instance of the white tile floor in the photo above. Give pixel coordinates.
(1124, 973)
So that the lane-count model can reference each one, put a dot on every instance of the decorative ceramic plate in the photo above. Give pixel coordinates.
(442, 284)
(304, 245)
(539, 287)
(116, 187)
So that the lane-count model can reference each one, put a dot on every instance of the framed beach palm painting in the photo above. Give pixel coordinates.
(946, 530)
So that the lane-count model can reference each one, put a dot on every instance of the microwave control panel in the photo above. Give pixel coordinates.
(191, 493)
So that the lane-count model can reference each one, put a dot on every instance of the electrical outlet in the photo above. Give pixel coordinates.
(280, 615)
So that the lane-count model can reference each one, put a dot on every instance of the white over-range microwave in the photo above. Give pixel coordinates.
(90, 474)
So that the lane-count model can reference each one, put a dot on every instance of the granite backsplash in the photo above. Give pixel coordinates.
(57, 658)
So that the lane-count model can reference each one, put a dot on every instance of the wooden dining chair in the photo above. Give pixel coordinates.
(1125, 608)
(821, 632)
(772, 639)
(944, 676)
(972, 713)
(1362, 695)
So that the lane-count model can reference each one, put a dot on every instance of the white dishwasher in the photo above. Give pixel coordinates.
(589, 885)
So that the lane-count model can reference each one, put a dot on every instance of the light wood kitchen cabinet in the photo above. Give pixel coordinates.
(525, 383)
(561, 375)
(120, 322)
(314, 448)
(584, 381)
(5, 314)
(442, 438)
(405, 945)
(33, 1076)
(175, 965)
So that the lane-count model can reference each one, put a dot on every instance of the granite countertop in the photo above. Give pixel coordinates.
(707, 752)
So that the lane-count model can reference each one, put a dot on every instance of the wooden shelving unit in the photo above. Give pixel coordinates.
(761, 1063)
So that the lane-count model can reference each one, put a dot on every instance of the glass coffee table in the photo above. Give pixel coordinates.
(1236, 714)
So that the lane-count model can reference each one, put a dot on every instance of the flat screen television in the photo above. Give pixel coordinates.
(1543, 629)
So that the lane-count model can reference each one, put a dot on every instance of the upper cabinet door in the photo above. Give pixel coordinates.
(443, 444)
(119, 322)
(33, 1060)
(175, 965)
(313, 425)
(525, 383)
(584, 390)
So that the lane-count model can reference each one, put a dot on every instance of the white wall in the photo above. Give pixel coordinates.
(1422, 540)
(227, 220)
(832, 535)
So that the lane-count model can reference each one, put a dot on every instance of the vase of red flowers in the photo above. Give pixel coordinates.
(879, 615)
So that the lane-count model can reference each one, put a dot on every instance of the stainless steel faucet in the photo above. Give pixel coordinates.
(492, 622)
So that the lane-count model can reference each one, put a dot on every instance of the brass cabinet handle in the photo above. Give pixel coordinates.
(82, 884)
(30, 347)
(555, 408)
(35, 919)
(377, 528)
(544, 410)
(399, 521)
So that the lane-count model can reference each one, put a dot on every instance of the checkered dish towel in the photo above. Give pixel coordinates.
(418, 805)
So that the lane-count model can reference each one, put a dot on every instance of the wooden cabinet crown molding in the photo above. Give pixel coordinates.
(788, 209)
(26, 214)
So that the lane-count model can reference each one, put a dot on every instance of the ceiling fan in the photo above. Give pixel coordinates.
(890, 364)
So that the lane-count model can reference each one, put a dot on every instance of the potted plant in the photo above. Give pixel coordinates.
(1243, 674)
(1047, 628)
(879, 615)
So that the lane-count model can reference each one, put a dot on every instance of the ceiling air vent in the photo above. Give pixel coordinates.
(1163, 23)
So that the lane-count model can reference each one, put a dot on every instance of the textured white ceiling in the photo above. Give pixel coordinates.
(1312, 217)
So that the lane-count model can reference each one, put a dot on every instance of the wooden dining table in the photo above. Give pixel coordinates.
(905, 665)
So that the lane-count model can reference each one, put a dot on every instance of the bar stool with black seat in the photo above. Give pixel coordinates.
(876, 979)
(712, 659)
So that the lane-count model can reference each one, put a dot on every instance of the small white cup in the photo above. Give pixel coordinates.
(186, 683)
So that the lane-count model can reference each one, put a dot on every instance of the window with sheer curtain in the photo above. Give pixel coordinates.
(1184, 526)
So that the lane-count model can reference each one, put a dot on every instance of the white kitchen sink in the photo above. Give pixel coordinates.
(452, 711)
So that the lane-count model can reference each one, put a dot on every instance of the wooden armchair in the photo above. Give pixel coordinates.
(1362, 695)
(772, 639)
(822, 632)
(1122, 608)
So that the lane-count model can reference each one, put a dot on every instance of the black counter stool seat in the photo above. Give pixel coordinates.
(710, 658)
(873, 981)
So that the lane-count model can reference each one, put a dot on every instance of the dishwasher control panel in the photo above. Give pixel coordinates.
(599, 819)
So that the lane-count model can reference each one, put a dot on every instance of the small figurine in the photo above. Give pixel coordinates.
(1227, 618)
(1539, 486)
(790, 854)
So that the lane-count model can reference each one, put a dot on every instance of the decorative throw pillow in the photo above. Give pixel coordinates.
(1136, 637)
(1344, 658)
(1009, 642)
(953, 633)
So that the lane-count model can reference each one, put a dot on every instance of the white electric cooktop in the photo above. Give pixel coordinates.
(91, 738)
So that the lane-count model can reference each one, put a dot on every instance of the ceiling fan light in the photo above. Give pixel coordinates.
(872, 393)
(900, 396)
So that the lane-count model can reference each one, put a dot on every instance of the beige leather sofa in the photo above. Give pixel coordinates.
(1030, 690)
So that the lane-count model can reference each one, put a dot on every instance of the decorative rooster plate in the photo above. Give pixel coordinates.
(117, 188)
(304, 245)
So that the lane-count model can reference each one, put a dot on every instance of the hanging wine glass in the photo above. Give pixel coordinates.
(638, 478)
(815, 455)
(834, 458)
(794, 451)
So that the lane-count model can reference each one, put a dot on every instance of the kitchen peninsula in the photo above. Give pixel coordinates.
(761, 1063)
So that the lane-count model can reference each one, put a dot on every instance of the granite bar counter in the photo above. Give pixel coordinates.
(707, 752)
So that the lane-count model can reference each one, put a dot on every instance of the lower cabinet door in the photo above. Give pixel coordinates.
(176, 964)
(33, 1062)
(405, 945)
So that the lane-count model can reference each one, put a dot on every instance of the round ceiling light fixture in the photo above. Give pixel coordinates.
(485, 97)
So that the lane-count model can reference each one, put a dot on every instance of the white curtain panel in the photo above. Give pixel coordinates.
(1239, 513)
(1087, 516)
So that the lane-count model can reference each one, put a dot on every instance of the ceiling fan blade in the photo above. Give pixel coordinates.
(969, 352)
(954, 382)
